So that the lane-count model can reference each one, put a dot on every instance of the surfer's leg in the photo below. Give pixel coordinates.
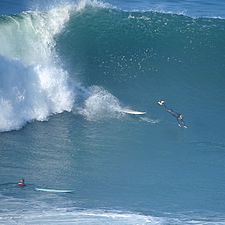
(161, 102)
(181, 123)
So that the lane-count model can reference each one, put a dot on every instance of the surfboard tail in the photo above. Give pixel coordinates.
(132, 112)
(53, 190)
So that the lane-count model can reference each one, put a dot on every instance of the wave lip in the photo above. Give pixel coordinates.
(81, 217)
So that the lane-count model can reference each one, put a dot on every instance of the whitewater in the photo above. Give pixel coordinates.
(33, 84)
(29, 59)
(69, 72)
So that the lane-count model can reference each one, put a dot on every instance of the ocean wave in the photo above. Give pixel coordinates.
(114, 46)
(43, 52)
(99, 217)
(33, 83)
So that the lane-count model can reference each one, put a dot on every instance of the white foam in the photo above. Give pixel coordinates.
(82, 4)
(149, 120)
(28, 93)
(32, 83)
(100, 105)
(81, 217)
(30, 37)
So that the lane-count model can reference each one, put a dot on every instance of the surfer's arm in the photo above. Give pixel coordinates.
(173, 113)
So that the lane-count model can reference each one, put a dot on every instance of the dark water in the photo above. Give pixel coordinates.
(67, 73)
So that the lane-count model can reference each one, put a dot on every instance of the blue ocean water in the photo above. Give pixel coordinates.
(68, 70)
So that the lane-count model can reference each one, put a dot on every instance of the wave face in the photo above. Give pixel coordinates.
(33, 83)
(142, 56)
(120, 44)
(102, 46)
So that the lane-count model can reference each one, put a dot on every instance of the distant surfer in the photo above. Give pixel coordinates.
(178, 116)
(21, 183)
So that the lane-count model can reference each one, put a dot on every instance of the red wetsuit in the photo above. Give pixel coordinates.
(21, 183)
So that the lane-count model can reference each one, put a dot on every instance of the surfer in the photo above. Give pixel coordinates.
(178, 116)
(21, 183)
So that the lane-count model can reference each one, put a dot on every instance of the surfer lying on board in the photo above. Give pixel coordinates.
(179, 117)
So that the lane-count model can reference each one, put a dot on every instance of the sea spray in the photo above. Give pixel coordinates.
(32, 84)
(100, 105)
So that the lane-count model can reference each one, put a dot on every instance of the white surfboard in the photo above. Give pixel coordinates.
(132, 112)
(53, 190)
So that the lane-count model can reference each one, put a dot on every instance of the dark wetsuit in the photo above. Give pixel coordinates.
(178, 116)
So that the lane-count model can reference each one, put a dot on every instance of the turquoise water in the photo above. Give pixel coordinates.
(67, 73)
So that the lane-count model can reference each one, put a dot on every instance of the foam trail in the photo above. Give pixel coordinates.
(75, 216)
(66, 216)
(149, 120)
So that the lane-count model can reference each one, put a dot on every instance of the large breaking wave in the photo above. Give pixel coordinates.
(33, 84)
(110, 46)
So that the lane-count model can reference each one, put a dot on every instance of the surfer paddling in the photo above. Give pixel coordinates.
(178, 116)
(21, 183)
